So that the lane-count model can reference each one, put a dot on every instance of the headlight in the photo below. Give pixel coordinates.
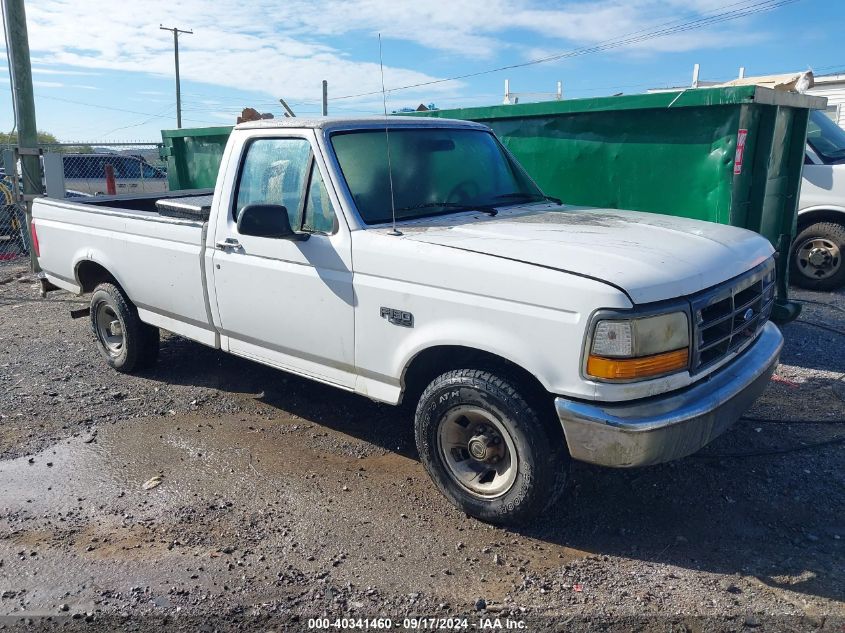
(634, 349)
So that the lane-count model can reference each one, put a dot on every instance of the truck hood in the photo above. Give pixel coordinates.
(650, 257)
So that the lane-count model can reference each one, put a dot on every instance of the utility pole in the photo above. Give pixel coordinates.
(325, 98)
(176, 32)
(17, 40)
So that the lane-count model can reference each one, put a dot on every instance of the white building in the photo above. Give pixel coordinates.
(832, 87)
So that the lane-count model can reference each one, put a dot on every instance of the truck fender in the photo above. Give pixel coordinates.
(103, 261)
(821, 213)
(472, 336)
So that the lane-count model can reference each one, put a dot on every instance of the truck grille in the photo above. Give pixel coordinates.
(728, 317)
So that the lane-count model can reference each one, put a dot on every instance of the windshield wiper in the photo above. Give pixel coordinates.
(452, 205)
(529, 196)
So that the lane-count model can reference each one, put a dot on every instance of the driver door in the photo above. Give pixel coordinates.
(283, 302)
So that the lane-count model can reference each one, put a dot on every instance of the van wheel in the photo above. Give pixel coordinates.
(127, 343)
(487, 450)
(816, 262)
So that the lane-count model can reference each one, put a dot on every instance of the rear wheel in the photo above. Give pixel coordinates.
(816, 262)
(487, 450)
(127, 343)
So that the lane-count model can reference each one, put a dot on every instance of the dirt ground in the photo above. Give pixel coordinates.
(283, 500)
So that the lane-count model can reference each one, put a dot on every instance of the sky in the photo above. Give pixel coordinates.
(104, 71)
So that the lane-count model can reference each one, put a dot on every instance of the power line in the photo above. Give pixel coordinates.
(161, 113)
(104, 107)
(632, 38)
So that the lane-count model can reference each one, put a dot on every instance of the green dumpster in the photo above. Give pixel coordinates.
(727, 155)
(193, 156)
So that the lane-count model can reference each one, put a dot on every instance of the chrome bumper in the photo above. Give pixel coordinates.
(673, 425)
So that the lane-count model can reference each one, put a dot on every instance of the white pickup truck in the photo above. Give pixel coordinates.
(525, 332)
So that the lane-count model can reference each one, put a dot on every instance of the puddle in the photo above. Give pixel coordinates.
(287, 491)
(121, 459)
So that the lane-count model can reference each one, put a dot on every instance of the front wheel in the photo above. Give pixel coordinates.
(816, 262)
(487, 450)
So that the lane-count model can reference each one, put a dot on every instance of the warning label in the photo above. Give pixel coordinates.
(741, 135)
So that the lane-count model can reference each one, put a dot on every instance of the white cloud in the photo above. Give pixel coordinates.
(53, 84)
(480, 28)
(279, 48)
(245, 50)
(52, 71)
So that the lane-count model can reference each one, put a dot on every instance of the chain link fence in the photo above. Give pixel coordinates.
(95, 169)
(73, 170)
(14, 233)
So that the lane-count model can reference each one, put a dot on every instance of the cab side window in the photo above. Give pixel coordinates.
(281, 171)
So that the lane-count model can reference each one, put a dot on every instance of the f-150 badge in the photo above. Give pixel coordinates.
(398, 317)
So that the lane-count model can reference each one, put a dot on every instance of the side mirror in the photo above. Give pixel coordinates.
(268, 220)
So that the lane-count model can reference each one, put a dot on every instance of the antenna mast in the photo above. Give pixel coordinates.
(387, 139)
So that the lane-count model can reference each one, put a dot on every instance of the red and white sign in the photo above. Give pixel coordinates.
(741, 135)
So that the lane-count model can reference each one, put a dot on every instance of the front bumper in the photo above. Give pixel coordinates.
(673, 425)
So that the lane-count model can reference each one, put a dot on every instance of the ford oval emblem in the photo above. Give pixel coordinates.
(748, 314)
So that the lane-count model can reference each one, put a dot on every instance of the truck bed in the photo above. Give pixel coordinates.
(149, 202)
(158, 260)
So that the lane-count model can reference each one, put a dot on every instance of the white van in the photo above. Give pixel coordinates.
(818, 249)
(86, 173)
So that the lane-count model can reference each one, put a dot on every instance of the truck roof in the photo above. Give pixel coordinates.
(325, 123)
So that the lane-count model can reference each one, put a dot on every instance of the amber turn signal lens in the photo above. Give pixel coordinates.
(630, 368)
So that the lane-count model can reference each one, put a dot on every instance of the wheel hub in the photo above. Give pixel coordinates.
(115, 329)
(484, 447)
(818, 258)
(478, 451)
(109, 329)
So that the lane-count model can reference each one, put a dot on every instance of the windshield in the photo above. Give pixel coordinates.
(434, 171)
(825, 137)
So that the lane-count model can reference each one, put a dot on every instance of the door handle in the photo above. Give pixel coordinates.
(229, 242)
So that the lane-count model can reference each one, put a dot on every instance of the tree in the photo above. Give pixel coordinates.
(48, 141)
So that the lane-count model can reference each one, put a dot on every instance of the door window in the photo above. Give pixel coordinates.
(274, 172)
(282, 171)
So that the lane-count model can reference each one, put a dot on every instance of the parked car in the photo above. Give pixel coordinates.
(819, 246)
(86, 173)
(523, 332)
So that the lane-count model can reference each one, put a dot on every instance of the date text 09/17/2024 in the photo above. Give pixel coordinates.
(417, 624)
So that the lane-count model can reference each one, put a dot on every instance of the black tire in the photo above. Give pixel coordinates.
(542, 459)
(828, 273)
(136, 347)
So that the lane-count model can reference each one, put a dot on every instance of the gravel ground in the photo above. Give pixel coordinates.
(283, 500)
